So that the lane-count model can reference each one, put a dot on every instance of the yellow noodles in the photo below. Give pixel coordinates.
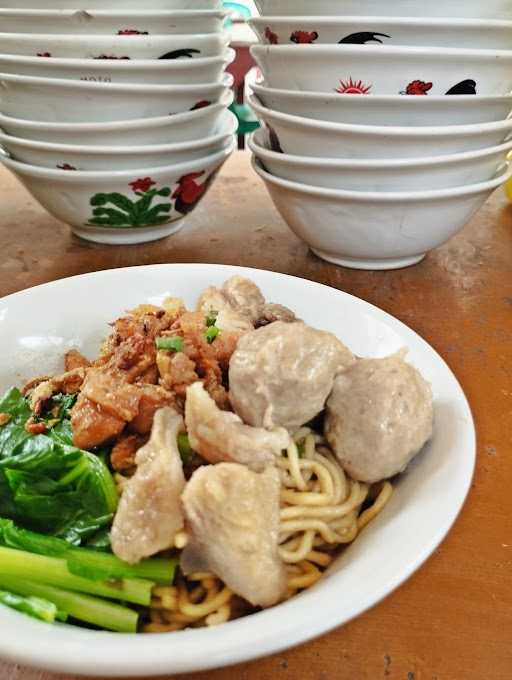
(320, 511)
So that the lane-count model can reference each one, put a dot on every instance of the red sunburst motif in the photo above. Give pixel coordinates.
(353, 87)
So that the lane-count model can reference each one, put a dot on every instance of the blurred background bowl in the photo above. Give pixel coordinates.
(412, 174)
(365, 230)
(307, 137)
(86, 157)
(386, 109)
(99, 22)
(159, 130)
(114, 46)
(371, 69)
(424, 31)
(118, 5)
(66, 101)
(473, 9)
(97, 205)
(143, 71)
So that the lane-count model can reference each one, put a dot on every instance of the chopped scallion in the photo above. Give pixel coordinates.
(171, 344)
(211, 334)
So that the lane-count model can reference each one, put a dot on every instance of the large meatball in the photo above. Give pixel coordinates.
(379, 415)
(282, 374)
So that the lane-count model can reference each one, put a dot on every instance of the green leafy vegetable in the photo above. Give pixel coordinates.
(172, 344)
(33, 606)
(101, 613)
(211, 334)
(46, 483)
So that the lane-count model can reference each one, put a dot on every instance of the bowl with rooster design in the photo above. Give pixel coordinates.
(181, 127)
(67, 101)
(82, 157)
(371, 69)
(116, 5)
(123, 206)
(384, 30)
(386, 109)
(144, 71)
(113, 22)
(472, 9)
(114, 47)
(307, 137)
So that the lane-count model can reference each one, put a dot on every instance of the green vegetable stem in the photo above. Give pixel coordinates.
(33, 606)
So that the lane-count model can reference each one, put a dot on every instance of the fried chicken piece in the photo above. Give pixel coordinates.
(122, 456)
(177, 372)
(67, 383)
(112, 393)
(152, 398)
(149, 514)
(75, 359)
(92, 425)
(220, 436)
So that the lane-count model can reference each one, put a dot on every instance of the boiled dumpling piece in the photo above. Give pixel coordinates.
(221, 436)
(379, 415)
(232, 516)
(149, 514)
(282, 374)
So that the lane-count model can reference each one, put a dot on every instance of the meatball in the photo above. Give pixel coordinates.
(379, 415)
(282, 374)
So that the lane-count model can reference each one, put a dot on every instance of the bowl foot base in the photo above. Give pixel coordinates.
(117, 237)
(369, 264)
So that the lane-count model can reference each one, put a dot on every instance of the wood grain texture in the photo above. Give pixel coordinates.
(453, 619)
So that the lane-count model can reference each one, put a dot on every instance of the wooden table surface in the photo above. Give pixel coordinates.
(453, 619)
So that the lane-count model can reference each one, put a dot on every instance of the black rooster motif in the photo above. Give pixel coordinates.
(178, 54)
(464, 87)
(363, 38)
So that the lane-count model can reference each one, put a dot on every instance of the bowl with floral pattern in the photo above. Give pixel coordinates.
(82, 157)
(383, 30)
(472, 9)
(370, 69)
(123, 206)
(112, 22)
(67, 101)
(143, 71)
(393, 109)
(181, 127)
(115, 47)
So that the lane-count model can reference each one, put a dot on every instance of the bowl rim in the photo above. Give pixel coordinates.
(121, 65)
(230, 123)
(114, 13)
(34, 171)
(385, 197)
(432, 22)
(390, 51)
(419, 102)
(420, 131)
(225, 100)
(98, 38)
(370, 163)
(125, 88)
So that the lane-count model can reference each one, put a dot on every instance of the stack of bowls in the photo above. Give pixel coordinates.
(115, 118)
(366, 173)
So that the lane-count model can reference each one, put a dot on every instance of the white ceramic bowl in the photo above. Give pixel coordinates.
(38, 324)
(368, 230)
(161, 130)
(117, 5)
(308, 137)
(469, 33)
(476, 9)
(67, 101)
(370, 69)
(114, 46)
(94, 203)
(143, 71)
(99, 22)
(425, 174)
(81, 157)
(386, 109)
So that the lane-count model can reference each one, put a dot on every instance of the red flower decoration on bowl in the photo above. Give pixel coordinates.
(143, 184)
(304, 37)
(353, 87)
(418, 87)
(271, 36)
